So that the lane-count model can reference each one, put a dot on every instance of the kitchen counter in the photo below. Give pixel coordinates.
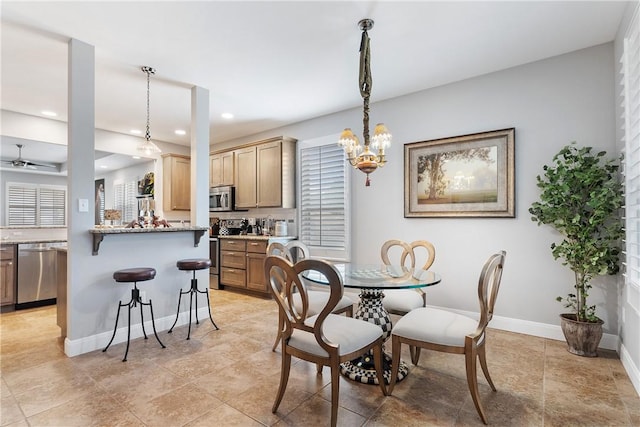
(255, 237)
(22, 240)
(99, 233)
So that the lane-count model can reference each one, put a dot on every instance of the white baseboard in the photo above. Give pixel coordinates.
(99, 341)
(632, 370)
(544, 330)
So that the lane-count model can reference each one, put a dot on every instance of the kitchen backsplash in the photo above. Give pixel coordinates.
(275, 214)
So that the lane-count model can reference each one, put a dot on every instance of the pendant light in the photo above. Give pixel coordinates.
(147, 147)
(367, 161)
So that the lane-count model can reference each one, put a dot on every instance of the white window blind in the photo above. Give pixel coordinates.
(36, 205)
(323, 200)
(631, 168)
(124, 196)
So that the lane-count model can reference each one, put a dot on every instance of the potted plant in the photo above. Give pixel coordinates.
(581, 197)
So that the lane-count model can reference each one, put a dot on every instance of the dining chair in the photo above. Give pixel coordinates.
(325, 339)
(446, 331)
(295, 251)
(402, 301)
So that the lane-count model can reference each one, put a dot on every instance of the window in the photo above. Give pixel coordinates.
(36, 205)
(324, 205)
(631, 167)
(124, 198)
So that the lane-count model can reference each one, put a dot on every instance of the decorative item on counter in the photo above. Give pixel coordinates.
(224, 231)
(112, 215)
(215, 226)
(281, 228)
(141, 222)
(146, 185)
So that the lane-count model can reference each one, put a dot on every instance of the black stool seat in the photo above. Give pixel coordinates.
(134, 274)
(194, 264)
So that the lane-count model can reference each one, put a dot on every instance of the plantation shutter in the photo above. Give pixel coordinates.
(35, 205)
(22, 205)
(124, 197)
(631, 170)
(52, 206)
(323, 202)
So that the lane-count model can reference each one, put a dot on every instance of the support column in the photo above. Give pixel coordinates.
(80, 176)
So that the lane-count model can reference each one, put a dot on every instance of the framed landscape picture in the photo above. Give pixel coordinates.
(462, 176)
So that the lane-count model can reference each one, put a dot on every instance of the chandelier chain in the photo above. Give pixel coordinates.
(148, 71)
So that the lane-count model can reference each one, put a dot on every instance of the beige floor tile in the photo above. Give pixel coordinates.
(230, 377)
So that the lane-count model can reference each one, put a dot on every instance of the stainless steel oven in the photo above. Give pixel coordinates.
(214, 270)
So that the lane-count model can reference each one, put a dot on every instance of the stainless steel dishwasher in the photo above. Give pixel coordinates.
(36, 274)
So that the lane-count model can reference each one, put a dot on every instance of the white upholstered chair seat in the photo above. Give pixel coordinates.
(318, 299)
(349, 333)
(435, 326)
(402, 300)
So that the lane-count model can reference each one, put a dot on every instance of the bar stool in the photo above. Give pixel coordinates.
(193, 265)
(134, 275)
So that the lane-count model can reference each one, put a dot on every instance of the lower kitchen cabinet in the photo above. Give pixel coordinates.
(233, 263)
(242, 264)
(256, 253)
(7, 274)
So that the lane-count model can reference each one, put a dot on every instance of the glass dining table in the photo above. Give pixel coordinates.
(372, 280)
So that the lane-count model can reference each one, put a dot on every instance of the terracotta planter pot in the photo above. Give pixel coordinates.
(582, 337)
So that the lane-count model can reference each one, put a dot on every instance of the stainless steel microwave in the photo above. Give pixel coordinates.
(221, 199)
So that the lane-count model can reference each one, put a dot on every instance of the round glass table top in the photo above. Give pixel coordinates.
(372, 276)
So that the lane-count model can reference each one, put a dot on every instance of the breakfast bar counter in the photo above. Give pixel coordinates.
(99, 233)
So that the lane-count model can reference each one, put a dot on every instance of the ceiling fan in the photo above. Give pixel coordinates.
(23, 163)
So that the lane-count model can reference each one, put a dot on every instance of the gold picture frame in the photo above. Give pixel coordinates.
(462, 176)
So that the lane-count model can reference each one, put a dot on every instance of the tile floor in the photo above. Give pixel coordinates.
(229, 378)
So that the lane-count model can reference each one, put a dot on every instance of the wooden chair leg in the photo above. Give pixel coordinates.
(482, 356)
(349, 311)
(395, 362)
(279, 336)
(377, 362)
(415, 354)
(284, 379)
(335, 391)
(472, 379)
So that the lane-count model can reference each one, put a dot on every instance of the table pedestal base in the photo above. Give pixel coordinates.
(362, 369)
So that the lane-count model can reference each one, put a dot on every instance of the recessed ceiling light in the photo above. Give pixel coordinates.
(136, 131)
(135, 157)
(103, 167)
(49, 113)
(180, 132)
(227, 116)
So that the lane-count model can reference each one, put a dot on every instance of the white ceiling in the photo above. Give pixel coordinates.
(272, 63)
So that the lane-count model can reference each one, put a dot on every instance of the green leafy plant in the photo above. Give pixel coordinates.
(581, 197)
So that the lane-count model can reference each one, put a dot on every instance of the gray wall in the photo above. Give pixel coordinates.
(550, 103)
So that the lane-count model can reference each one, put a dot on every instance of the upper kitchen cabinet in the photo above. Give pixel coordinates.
(176, 182)
(265, 174)
(221, 169)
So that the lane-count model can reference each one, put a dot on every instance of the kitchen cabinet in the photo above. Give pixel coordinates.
(246, 190)
(233, 263)
(221, 169)
(176, 182)
(7, 274)
(256, 254)
(265, 174)
(242, 264)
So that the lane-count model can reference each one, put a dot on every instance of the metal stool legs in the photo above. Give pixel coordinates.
(135, 300)
(193, 291)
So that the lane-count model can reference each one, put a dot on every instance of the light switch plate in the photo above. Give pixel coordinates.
(83, 205)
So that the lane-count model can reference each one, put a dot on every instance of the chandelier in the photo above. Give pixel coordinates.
(366, 161)
(147, 147)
